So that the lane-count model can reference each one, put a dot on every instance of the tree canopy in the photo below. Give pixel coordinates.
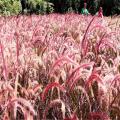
(110, 7)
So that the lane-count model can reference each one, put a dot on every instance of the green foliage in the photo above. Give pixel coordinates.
(109, 6)
(63, 6)
(39, 7)
(94, 6)
(9, 7)
(116, 8)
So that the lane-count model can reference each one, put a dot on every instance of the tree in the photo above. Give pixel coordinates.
(23, 5)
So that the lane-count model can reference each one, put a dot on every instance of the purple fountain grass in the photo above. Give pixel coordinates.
(4, 63)
(71, 76)
(116, 78)
(50, 86)
(99, 115)
(84, 42)
(73, 117)
(57, 67)
(53, 103)
(17, 47)
(93, 77)
(24, 102)
(60, 60)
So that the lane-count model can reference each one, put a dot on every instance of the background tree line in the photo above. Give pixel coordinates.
(110, 7)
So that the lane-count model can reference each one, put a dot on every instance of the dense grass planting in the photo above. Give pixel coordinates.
(59, 67)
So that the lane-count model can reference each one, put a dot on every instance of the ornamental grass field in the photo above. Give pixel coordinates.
(59, 67)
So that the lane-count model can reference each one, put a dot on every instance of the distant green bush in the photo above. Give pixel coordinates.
(39, 6)
(9, 7)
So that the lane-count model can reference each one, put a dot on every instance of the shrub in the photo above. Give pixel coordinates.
(8, 7)
(39, 7)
